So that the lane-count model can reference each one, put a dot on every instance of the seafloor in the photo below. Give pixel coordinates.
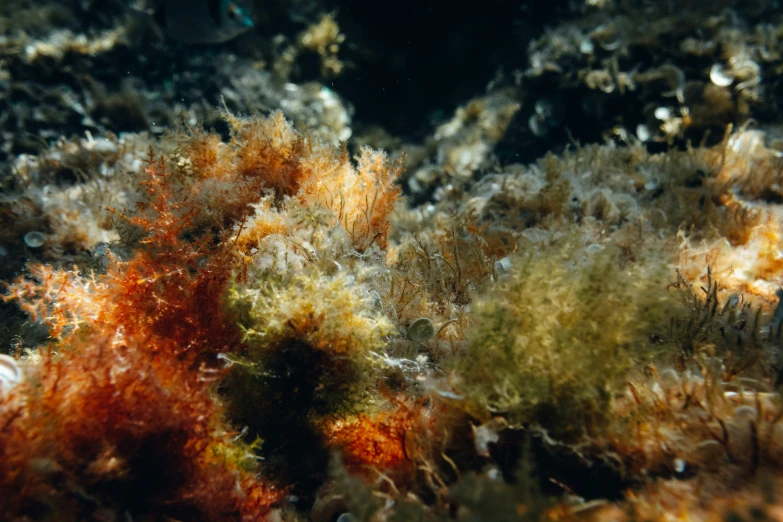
(410, 261)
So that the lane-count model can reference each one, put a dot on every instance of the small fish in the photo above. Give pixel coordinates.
(198, 21)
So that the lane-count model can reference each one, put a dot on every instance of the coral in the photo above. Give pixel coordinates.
(704, 83)
(130, 381)
(109, 83)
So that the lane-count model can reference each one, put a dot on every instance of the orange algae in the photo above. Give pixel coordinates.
(386, 441)
(118, 414)
(271, 150)
(267, 155)
(361, 198)
(102, 428)
(168, 293)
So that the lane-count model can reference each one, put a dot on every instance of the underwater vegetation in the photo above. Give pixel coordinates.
(167, 307)
(220, 308)
(272, 333)
(555, 342)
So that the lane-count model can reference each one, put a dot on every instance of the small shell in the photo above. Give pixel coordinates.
(10, 373)
(601, 80)
(709, 453)
(612, 45)
(34, 239)
(488, 433)
(754, 384)
(746, 411)
(673, 76)
(663, 113)
(421, 330)
(377, 302)
(607, 37)
(537, 125)
(744, 69)
(327, 504)
(670, 377)
(679, 465)
(544, 108)
(482, 437)
(709, 445)
(586, 46)
(502, 265)
(731, 303)
(721, 77)
(643, 132)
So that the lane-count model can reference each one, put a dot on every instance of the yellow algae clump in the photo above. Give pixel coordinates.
(334, 314)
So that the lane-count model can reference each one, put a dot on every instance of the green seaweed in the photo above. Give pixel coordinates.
(555, 339)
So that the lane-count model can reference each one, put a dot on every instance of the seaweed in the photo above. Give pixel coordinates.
(554, 342)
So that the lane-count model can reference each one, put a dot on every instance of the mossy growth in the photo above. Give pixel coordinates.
(554, 340)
